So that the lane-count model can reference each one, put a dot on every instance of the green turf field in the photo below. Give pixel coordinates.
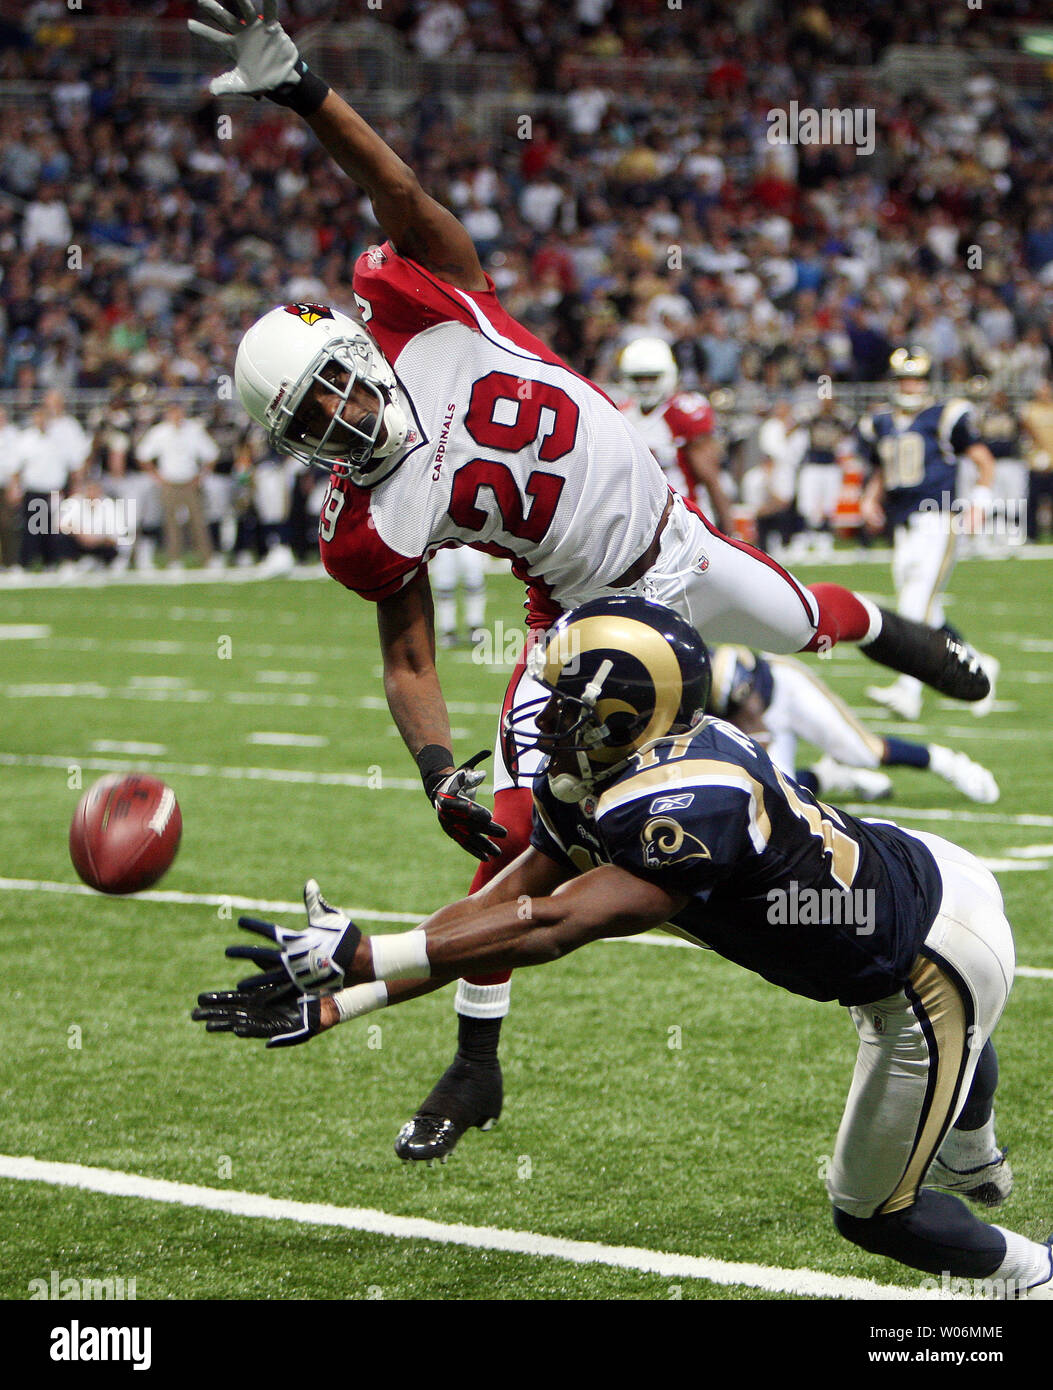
(611, 1133)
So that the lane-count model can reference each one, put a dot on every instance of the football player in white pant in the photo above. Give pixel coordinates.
(777, 701)
(648, 813)
(914, 448)
(443, 422)
(449, 570)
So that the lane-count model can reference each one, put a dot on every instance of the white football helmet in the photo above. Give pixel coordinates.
(297, 370)
(649, 370)
(911, 365)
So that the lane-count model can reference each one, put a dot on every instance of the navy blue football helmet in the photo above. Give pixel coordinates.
(620, 672)
(737, 674)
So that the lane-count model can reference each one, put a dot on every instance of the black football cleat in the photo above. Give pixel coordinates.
(938, 658)
(466, 1096)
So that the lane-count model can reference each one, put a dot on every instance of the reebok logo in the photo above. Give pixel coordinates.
(670, 803)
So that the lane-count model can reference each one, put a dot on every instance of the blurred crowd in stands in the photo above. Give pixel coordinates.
(137, 242)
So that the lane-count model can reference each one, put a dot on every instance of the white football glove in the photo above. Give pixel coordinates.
(312, 960)
(264, 55)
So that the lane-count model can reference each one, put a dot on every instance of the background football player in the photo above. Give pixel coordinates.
(819, 476)
(778, 701)
(444, 422)
(677, 425)
(914, 448)
(684, 821)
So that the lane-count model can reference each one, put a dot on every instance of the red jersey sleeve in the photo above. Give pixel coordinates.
(398, 298)
(689, 416)
(352, 550)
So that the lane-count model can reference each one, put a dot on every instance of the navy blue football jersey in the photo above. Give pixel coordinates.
(1000, 431)
(918, 454)
(823, 904)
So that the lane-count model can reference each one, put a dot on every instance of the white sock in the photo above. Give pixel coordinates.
(963, 1149)
(482, 1001)
(446, 615)
(1025, 1261)
(874, 614)
(475, 607)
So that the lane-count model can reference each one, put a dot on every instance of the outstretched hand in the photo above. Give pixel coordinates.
(274, 1013)
(263, 54)
(305, 961)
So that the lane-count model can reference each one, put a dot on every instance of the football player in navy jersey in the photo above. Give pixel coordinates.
(648, 814)
(914, 448)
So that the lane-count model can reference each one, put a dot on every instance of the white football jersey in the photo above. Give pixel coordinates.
(668, 429)
(510, 452)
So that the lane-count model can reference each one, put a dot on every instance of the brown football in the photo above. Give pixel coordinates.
(125, 832)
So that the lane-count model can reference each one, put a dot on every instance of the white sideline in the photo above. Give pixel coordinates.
(362, 914)
(804, 1282)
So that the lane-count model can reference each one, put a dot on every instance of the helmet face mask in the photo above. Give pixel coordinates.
(619, 673)
(648, 369)
(317, 382)
(320, 434)
(909, 366)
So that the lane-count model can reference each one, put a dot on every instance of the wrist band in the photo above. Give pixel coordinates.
(357, 1000)
(303, 97)
(401, 957)
(432, 760)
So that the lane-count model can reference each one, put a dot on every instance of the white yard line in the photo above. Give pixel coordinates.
(799, 1282)
(879, 810)
(273, 739)
(232, 901)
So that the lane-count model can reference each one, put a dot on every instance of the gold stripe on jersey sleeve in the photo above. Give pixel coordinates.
(951, 413)
(940, 1003)
(694, 772)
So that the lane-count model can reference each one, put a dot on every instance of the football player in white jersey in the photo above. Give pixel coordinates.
(677, 425)
(442, 421)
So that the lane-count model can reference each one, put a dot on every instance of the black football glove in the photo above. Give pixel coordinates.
(274, 1013)
(306, 961)
(461, 816)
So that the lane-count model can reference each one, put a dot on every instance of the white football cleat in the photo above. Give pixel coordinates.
(905, 704)
(970, 778)
(989, 1184)
(836, 779)
(991, 667)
